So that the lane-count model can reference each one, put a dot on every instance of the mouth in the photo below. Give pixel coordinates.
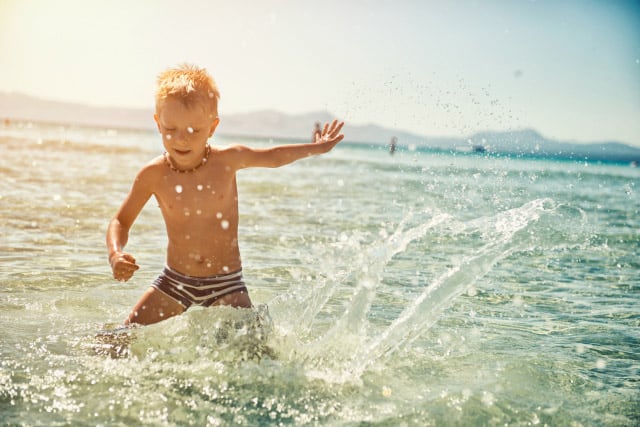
(181, 152)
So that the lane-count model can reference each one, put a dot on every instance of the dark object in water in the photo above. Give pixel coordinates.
(479, 149)
(392, 145)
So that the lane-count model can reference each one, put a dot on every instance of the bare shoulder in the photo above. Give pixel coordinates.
(232, 155)
(154, 166)
(151, 172)
(231, 150)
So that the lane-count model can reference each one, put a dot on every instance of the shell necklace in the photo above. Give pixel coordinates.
(207, 151)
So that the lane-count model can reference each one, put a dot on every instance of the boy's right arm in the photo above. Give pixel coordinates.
(123, 264)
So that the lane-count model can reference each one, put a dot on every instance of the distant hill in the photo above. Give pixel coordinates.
(529, 143)
(273, 124)
(22, 107)
(265, 123)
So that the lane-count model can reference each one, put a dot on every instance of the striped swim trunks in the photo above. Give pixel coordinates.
(204, 291)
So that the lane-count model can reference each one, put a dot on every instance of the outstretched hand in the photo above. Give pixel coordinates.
(330, 134)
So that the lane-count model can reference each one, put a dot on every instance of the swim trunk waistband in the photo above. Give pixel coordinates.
(204, 291)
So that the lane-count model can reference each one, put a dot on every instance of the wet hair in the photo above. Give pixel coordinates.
(190, 84)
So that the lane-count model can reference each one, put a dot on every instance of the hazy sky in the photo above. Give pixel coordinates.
(569, 69)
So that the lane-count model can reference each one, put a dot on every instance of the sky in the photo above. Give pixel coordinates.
(569, 69)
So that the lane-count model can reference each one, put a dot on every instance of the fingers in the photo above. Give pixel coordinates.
(129, 258)
(123, 266)
(122, 274)
(336, 127)
(331, 131)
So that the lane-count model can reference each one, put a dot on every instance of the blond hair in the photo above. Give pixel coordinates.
(190, 84)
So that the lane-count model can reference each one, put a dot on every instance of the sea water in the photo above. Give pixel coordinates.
(415, 289)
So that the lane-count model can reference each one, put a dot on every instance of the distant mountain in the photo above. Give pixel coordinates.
(273, 124)
(529, 143)
(266, 123)
(22, 107)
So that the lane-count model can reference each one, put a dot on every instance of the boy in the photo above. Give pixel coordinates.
(195, 187)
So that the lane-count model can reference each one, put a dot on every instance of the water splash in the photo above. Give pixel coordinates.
(345, 351)
(224, 335)
(367, 272)
(500, 232)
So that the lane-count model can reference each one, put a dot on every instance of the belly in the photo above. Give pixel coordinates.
(202, 257)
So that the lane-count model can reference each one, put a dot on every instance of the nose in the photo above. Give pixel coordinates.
(185, 135)
(181, 137)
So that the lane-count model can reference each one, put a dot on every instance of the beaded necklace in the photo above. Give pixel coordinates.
(207, 151)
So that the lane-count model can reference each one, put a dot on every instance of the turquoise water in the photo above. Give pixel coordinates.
(419, 289)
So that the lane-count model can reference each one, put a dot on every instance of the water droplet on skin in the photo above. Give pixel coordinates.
(190, 129)
(178, 188)
(225, 269)
(219, 215)
(198, 212)
(167, 136)
(224, 224)
(199, 187)
(187, 237)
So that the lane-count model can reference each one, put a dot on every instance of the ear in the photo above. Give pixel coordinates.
(214, 125)
(157, 119)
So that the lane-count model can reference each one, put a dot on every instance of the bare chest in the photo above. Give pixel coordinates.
(193, 197)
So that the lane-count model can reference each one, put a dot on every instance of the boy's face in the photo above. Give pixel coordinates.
(185, 131)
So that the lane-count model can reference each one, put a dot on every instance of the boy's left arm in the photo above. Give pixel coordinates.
(281, 155)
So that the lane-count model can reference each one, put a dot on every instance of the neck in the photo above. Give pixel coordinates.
(167, 159)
